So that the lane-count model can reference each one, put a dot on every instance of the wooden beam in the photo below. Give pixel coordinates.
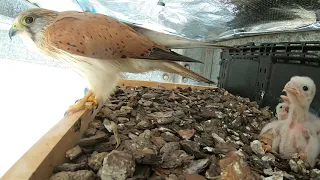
(128, 82)
(38, 162)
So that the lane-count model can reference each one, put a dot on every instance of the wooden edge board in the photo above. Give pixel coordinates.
(38, 162)
(128, 82)
(49, 151)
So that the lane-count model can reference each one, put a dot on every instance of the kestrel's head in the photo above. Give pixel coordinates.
(301, 90)
(31, 22)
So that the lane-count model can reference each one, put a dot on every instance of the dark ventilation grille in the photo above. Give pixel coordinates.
(260, 72)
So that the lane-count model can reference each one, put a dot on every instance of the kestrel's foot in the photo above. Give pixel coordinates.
(112, 127)
(87, 103)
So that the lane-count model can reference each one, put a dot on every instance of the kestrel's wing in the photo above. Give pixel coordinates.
(102, 37)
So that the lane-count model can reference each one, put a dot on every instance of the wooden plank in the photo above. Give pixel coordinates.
(127, 82)
(38, 162)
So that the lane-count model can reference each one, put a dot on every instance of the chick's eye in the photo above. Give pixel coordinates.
(29, 20)
(305, 88)
(281, 107)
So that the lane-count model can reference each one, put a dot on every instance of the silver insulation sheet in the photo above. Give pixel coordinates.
(209, 20)
(204, 19)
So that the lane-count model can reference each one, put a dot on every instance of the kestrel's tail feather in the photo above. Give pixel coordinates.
(173, 67)
(174, 41)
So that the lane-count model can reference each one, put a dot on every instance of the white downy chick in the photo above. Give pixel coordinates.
(274, 128)
(282, 114)
(298, 133)
(282, 109)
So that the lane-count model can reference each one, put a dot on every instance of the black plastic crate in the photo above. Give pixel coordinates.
(260, 72)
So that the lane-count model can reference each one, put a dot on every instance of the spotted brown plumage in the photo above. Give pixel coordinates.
(98, 36)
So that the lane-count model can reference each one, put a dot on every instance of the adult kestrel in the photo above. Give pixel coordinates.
(98, 47)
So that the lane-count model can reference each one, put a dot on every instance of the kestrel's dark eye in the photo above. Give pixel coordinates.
(305, 88)
(281, 107)
(29, 20)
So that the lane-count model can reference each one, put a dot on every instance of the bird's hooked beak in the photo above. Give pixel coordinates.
(12, 32)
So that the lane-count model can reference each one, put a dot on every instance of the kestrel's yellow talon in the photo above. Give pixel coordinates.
(88, 94)
(85, 103)
(88, 105)
(93, 99)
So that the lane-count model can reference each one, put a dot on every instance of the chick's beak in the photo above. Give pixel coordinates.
(12, 32)
(291, 88)
(285, 99)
